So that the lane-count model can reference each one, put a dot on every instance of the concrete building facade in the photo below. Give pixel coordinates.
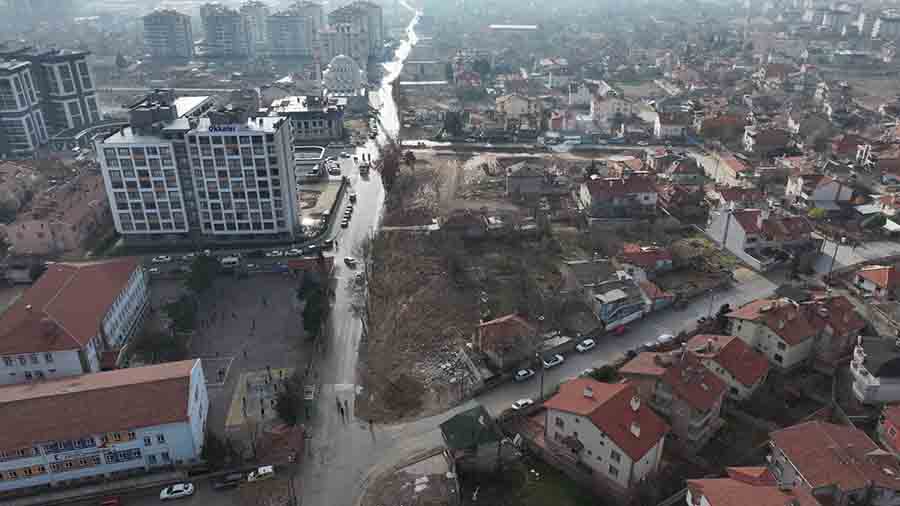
(168, 34)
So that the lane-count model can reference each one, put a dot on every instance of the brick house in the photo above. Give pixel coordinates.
(742, 368)
(507, 340)
(743, 483)
(630, 197)
(879, 281)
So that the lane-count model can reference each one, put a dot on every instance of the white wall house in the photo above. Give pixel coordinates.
(606, 428)
(72, 313)
(875, 367)
(809, 191)
(777, 329)
(880, 281)
(129, 419)
(515, 106)
(731, 359)
(604, 111)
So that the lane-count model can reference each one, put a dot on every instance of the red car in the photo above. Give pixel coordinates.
(111, 501)
(618, 331)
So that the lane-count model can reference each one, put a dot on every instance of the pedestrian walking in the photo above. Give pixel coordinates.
(338, 401)
(245, 352)
(346, 407)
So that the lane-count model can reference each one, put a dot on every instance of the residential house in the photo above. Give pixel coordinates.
(817, 191)
(850, 147)
(773, 75)
(644, 262)
(875, 368)
(682, 390)
(631, 197)
(731, 170)
(608, 429)
(686, 202)
(520, 110)
(72, 313)
(527, 181)
(617, 301)
(726, 128)
(742, 368)
(758, 238)
(838, 324)
(672, 125)
(609, 110)
(685, 170)
(879, 281)
(889, 428)
(721, 198)
(839, 465)
(473, 439)
(656, 298)
(766, 142)
(743, 483)
(507, 340)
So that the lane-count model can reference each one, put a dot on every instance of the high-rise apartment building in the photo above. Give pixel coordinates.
(291, 34)
(168, 34)
(65, 83)
(184, 171)
(22, 127)
(366, 18)
(225, 32)
(255, 15)
(244, 175)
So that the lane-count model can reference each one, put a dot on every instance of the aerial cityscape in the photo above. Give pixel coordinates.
(450, 253)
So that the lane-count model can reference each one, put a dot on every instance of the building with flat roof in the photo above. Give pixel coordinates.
(225, 31)
(22, 127)
(168, 34)
(103, 425)
(244, 175)
(291, 34)
(314, 119)
(74, 311)
(366, 20)
(255, 14)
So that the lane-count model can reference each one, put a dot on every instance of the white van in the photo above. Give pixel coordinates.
(230, 262)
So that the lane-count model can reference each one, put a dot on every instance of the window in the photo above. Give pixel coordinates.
(34, 358)
(778, 358)
(613, 471)
(148, 441)
(8, 361)
(131, 435)
(160, 438)
(22, 360)
(559, 423)
(615, 456)
(151, 459)
(28, 375)
(85, 75)
(66, 74)
(165, 456)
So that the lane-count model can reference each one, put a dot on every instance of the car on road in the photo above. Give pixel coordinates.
(352, 196)
(345, 155)
(261, 473)
(328, 245)
(586, 345)
(523, 374)
(228, 481)
(294, 252)
(522, 404)
(552, 361)
(649, 345)
(350, 261)
(153, 271)
(665, 339)
(176, 491)
(618, 331)
(345, 223)
(257, 253)
(643, 143)
(111, 501)
(189, 257)
(275, 253)
(162, 259)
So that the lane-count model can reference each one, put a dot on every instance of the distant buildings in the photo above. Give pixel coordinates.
(290, 34)
(343, 77)
(55, 330)
(63, 431)
(255, 15)
(22, 127)
(225, 32)
(314, 119)
(168, 34)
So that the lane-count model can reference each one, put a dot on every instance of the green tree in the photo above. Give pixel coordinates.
(314, 312)
(483, 67)
(203, 272)
(156, 347)
(183, 313)
(816, 213)
(606, 374)
(218, 453)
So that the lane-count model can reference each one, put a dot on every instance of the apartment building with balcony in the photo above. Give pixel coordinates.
(226, 32)
(106, 425)
(168, 34)
(22, 127)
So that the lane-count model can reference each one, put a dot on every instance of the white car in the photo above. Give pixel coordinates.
(553, 361)
(585, 345)
(522, 404)
(162, 259)
(294, 252)
(176, 491)
(665, 339)
(275, 254)
(153, 270)
(261, 473)
(345, 155)
(523, 374)
(350, 261)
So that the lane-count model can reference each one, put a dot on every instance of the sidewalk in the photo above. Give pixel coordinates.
(98, 490)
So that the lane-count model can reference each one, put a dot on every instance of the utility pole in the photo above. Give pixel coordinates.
(834, 256)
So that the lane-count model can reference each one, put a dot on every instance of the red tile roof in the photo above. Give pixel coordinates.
(741, 195)
(836, 312)
(826, 455)
(610, 408)
(782, 316)
(891, 413)
(884, 276)
(609, 188)
(644, 256)
(752, 475)
(748, 219)
(65, 307)
(646, 363)
(506, 327)
(693, 383)
(311, 264)
(743, 362)
(737, 166)
(787, 228)
(69, 408)
(732, 492)
(654, 292)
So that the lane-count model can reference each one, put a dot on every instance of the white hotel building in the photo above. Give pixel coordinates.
(73, 312)
(107, 424)
(182, 172)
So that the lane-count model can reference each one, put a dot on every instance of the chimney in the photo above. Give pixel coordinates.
(710, 346)
(28, 307)
(635, 429)
(588, 392)
(635, 403)
(683, 351)
(780, 324)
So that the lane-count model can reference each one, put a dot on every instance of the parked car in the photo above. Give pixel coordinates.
(585, 345)
(275, 253)
(162, 259)
(176, 491)
(111, 501)
(293, 252)
(153, 271)
(189, 257)
(261, 473)
(522, 404)
(345, 155)
(345, 223)
(552, 361)
(352, 196)
(665, 339)
(228, 481)
(350, 261)
(523, 374)
(643, 143)
(328, 245)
